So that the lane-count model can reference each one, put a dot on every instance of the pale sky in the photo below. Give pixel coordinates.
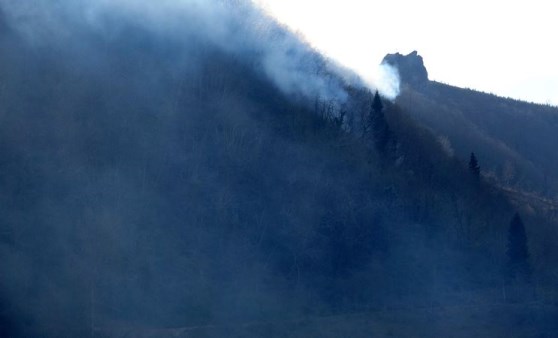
(508, 48)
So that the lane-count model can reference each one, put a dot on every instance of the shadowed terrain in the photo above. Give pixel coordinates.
(157, 183)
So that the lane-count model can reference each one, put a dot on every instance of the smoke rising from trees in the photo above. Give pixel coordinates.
(237, 27)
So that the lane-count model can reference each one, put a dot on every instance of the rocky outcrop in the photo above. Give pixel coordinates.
(411, 67)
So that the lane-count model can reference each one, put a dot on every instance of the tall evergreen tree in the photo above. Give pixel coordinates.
(474, 166)
(517, 251)
(378, 128)
(377, 105)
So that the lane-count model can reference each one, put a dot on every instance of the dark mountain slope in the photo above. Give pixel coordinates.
(515, 140)
(148, 184)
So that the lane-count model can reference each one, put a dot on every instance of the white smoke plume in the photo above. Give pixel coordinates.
(236, 26)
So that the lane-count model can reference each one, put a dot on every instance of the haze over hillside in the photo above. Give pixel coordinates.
(193, 169)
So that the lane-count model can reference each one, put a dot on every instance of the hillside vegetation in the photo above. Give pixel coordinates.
(516, 141)
(148, 185)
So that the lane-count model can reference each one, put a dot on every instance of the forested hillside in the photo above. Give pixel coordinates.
(515, 141)
(153, 181)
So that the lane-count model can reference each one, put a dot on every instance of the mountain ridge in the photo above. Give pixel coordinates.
(510, 128)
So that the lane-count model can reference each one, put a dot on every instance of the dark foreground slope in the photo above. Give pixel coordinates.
(148, 186)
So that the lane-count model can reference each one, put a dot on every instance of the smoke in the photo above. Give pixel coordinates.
(386, 80)
(236, 27)
(117, 182)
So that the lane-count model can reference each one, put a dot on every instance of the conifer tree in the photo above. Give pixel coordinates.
(474, 166)
(377, 105)
(377, 125)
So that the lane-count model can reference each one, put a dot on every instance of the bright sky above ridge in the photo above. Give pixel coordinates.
(504, 47)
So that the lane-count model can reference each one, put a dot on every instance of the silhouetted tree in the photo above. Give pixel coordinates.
(517, 252)
(377, 105)
(474, 166)
(378, 128)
